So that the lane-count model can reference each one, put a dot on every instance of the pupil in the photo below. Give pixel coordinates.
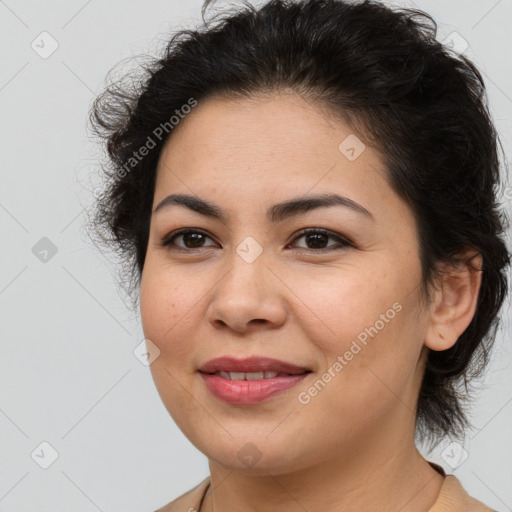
(317, 237)
(190, 237)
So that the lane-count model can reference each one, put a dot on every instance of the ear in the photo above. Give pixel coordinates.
(454, 304)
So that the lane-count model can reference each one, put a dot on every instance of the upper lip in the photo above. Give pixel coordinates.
(250, 364)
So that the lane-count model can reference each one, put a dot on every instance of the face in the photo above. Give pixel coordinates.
(342, 301)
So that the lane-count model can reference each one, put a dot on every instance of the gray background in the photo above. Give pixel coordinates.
(68, 373)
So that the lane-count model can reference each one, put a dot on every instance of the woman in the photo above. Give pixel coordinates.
(305, 192)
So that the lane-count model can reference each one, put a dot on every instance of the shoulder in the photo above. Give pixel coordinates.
(188, 501)
(454, 498)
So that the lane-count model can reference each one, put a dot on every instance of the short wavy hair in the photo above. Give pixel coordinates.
(382, 71)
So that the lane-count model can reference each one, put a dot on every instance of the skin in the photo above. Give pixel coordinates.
(351, 447)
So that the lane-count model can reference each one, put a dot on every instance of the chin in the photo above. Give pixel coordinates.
(258, 457)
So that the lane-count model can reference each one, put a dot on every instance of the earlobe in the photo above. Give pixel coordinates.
(454, 302)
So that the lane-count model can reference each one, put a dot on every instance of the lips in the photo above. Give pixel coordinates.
(250, 381)
(251, 368)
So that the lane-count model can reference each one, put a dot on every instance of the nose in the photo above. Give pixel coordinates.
(249, 296)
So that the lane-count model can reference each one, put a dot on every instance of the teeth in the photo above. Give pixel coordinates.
(254, 375)
(247, 375)
(237, 375)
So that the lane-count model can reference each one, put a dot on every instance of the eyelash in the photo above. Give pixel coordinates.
(169, 245)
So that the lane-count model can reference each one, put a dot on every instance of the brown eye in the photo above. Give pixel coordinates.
(317, 240)
(191, 239)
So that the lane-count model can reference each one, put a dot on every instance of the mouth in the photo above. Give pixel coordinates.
(251, 367)
(250, 381)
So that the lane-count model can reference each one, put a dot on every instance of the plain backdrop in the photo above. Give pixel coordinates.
(73, 396)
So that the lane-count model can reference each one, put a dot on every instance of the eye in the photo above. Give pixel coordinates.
(318, 238)
(192, 238)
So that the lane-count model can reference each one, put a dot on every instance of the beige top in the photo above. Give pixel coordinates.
(452, 498)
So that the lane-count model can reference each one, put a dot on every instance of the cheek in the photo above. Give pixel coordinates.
(168, 307)
(340, 304)
(166, 312)
(368, 335)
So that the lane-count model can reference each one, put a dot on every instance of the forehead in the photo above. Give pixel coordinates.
(280, 131)
(268, 149)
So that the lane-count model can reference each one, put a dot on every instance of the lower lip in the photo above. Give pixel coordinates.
(248, 391)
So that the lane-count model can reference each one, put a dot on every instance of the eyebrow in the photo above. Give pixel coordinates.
(275, 213)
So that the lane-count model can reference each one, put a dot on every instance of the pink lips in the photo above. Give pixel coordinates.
(250, 391)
